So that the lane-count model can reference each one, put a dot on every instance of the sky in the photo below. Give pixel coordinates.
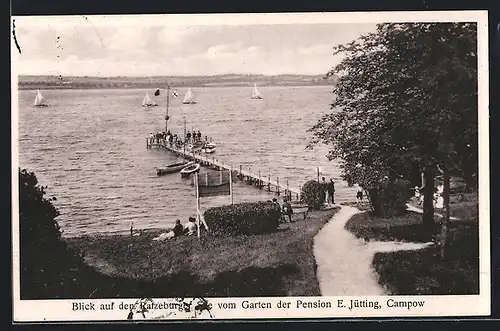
(156, 46)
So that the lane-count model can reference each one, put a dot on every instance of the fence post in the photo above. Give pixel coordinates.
(287, 189)
(269, 184)
(278, 186)
(260, 183)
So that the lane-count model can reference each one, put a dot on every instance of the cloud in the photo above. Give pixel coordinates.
(316, 49)
(112, 47)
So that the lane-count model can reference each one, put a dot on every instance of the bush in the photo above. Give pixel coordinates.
(243, 218)
(45, 260)
(313, 194)
(389, 198)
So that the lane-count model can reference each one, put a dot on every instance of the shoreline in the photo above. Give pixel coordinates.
(30, 87)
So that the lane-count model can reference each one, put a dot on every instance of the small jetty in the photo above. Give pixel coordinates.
(259, 180)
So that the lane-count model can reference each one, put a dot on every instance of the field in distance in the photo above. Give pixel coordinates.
(88, 82)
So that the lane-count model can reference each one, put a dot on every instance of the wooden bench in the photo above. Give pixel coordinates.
(297, 209)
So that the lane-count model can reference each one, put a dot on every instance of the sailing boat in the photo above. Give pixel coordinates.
(189, 98)
(39, 100)
(256, 94)
(147, 102)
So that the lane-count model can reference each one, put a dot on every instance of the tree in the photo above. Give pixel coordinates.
(44, 257)
(405, 103)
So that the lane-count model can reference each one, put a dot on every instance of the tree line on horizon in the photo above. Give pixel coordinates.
(180, 81)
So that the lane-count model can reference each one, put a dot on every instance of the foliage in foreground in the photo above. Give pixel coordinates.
(243, 218)
(405, 103)
(45, 260)
(424, 272)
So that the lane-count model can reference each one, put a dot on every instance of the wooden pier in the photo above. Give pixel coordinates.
(264, 182)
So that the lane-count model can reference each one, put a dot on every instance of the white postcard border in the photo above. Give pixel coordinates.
(438, 306)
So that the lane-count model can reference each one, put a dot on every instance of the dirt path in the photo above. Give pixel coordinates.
(345, 262)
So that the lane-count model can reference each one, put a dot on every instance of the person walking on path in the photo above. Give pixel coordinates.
(324, 187)
(331, 192)
(287, 209)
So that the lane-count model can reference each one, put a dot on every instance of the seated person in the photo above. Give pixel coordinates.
(178, 228)
(190, 227)
(175, 232)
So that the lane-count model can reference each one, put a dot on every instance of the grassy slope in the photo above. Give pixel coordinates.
(280, 263)
(423, 271)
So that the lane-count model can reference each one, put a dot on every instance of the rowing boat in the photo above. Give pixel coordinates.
(190, 169)
(171, 168)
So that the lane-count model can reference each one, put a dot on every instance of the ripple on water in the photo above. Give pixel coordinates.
(94, 160)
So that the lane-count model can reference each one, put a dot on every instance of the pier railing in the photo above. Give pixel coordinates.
(259, 180)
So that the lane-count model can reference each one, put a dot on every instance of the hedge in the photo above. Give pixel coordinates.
(243, 218)
(313, 194)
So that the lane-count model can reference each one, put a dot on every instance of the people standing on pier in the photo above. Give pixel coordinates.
(331, 192)
(199, 136)
(170, 138)
(188, 136)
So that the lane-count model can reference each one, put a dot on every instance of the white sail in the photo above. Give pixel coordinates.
(39, 99)
(256, 94)
(189, 97)
(147, 101)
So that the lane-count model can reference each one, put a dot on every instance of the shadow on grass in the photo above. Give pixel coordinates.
(251, 281)
(407, 227)
(424, 272)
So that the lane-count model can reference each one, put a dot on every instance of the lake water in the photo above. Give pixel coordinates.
(89, 148)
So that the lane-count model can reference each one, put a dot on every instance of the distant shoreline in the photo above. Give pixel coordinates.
(59, 82)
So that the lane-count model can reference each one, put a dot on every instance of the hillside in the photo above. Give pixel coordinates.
(86, 82)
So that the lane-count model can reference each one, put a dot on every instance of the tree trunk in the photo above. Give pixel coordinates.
(428, 215)
(369, 199)
(462, 196)
(446, 205)
(376, 202)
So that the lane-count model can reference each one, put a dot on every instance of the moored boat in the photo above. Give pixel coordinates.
(171, 168)
(190, 169)
(209, 148)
